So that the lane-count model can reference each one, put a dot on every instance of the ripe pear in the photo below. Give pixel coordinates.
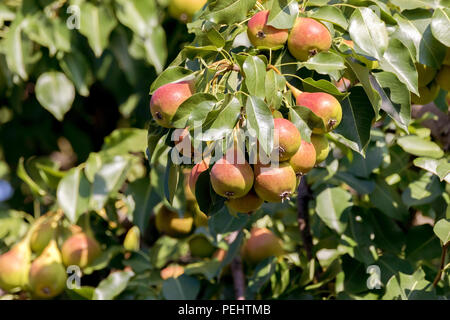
(262, 244)
(443, 78)
(195, 173)
(132, 239)
(166, 100)
(172, 271)
(427, 94)
(304, 159)
(47, 274)
(232, 176)
(425, 74)
(168, 222)
(263, 35)
(246, 204)
(184, 10)
(321, 146)
(200, 246)
(14, 267)
(287, 138)
(275, 183)
(323, 105)
(80, 249)
(42, 235)
(307, 38)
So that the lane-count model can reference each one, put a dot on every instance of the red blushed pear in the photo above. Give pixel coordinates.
(80, 249)
(246, 204)
(307, 38)
(232, 176)
(275, 183)
(324, 106)
(166, 100)
(304, 159)
(287, 138)
(195, 173)
(263, 35)
(262, 244)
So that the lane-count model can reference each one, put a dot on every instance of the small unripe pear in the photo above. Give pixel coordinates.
(232, 176)
(168, 222)
(14, 267)
(195, 173)
(166, 100)
(263, 35)
(307, 38)
(427, 94)
(275, 184)
(323, 105)
(80, 249)
(321, 146)
(42, 235)
(47, 274)
(132, 239)
(425, 74)
(172, 271)
(200, 246)
(287, 138)
(304, 159)
(184, 10)
(443, 78)
(246, 204)
(262, 244)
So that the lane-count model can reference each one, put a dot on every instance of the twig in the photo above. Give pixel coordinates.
(237, 271)
(303, 198)
(441, 267)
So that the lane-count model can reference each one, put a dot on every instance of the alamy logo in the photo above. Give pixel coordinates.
(74, 277)
(73, 22)
(374, 280)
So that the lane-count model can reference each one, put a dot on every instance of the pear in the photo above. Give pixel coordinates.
(14, 267)
(80, 249)
(132, 239)
(43, 233)
(47, 277)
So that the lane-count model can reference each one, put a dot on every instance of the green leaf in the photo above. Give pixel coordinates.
(260, 122)
(440, 25)
(422, 244)
(330, 14)
(440, 167)
(228, 11)
(442, 230)
(181, 288)
(220, 123)
(283, 14)
(171, 180)
(96, 25)
(325, 63)
(331, 204)
(55, 93)
(194, 109)
(113, 285)
(364, 166)
(142, 17)
(170, 75)
(368, 32)
(414, 4)
(73, 194)
(422, 191)
(23, 174)
(362, 186)
(409, 287)
(309, 117)
(386, 199)
(357, 116)
(76, 67)
(397, 59)
(125, 140)
(419, 147)
(395, 98)
(108, 180)
(274, 86)
(261, 275)
(301, 125)
(322, 85)
(255, 76)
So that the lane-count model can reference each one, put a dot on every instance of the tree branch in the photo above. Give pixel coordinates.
(237, 271)
(441, 267)
(303, 198)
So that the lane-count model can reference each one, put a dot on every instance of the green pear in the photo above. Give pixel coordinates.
(14, 267)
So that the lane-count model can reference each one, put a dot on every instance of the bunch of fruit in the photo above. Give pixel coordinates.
(247, 186)
(431, 80)
(36, 264)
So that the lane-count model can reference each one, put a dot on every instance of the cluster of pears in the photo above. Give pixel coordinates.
(306, 38)
(37, 265)
(431, 80)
